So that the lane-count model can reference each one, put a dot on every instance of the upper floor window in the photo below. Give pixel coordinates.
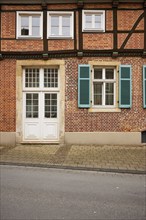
(93, 20)
(60, 24)
(29, 25)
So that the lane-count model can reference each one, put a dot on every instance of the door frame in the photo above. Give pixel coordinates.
(20, 64)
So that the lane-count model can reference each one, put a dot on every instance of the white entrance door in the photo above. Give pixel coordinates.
(40, 105)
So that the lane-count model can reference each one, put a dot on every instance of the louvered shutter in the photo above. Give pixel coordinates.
(84, 86)
(125, 86)
(144, 86)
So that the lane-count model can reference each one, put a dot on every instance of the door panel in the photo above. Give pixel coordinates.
(32, 131)
(41, 116)
(50, 131)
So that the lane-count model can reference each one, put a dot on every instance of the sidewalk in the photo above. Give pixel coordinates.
(125, 159)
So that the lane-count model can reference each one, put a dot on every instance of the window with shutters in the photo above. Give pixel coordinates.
(29, 24)
(106, 87)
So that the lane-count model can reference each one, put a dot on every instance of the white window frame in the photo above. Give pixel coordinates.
(104, 81)
(30, 15)
(93, 13)
(41, 79)
(60, 14)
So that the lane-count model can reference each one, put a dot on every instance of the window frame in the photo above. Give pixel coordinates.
(103, 81)
(41, 86)
(30, 14)
(60, 14)
(111, 64)
(93, 13)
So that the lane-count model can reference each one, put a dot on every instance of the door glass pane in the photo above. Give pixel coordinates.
(50, 105)
(25, 25)
(31, 78)
(50, 78)
(109, 94)
(98, 93)
(32, 105)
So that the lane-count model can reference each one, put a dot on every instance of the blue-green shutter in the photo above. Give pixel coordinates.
(144, 86)
(84, 86)
(125, 86)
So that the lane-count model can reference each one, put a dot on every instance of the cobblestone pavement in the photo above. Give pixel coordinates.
(128, 159)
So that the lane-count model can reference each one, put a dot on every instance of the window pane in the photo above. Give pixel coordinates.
(55, 21)
(50, 105)
(24, 21)
(109, 94)
(31, 78)
(66, 31)
(35, 25)
(51, 78)
(98, 93)
(97, 73)
(36, 31)
(35, 21)
(66, 21)
(31, 105)
(55, 25)
(24, 25)
(66, 26)
(97, 21)
(109, 74)
(88, 21)
(55, 31)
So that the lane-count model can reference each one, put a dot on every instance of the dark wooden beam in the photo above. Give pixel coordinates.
(132, 30)
(80, 37)
(45, 40)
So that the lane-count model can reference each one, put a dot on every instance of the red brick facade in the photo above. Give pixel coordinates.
(8, 95)
(78, 120)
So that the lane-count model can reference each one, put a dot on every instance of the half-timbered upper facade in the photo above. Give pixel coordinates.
(73, 71)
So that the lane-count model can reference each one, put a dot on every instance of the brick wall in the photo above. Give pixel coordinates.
(22, 45)
(80, 120)
(60, 45)
(97, 41)
(7, 95)
(8, 27)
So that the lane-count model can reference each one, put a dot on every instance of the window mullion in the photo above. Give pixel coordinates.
(30, 25)
(93, 21)
(41, 72)
(103, 93)
(60, 25)
(103, 88)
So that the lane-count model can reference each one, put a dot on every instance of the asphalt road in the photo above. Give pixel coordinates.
(39, 193)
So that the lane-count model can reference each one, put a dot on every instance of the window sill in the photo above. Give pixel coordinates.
(93, 30)
(29, 38)
(104, 110)
(60, 38)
